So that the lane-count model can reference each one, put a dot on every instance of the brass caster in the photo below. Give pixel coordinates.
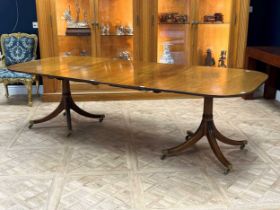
(163, 157)
(228, 169)
(69, 134)
(189, 135)
(101, 119)
(31, 123)
(164, 154)
(242, 147)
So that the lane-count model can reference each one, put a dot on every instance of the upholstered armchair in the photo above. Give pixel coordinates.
(18, 48)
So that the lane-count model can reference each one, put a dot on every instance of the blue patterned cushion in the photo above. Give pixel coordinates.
(5, 73)
(18, 50)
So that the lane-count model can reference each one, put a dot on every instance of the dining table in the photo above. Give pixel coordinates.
(207, 82)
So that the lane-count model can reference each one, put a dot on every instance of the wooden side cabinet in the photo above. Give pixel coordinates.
(140, 30)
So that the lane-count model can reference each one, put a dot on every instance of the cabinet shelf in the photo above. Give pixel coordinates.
(78, 32)
(115, 35)
(205, 23)
(187, 23)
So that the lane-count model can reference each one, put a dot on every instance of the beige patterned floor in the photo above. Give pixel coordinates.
(116, 165)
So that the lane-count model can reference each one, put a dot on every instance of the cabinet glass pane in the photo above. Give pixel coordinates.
(72, 26)
(173, 31)
(214, 32)
(116, 28)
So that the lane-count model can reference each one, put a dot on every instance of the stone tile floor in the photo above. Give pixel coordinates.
(116, 165)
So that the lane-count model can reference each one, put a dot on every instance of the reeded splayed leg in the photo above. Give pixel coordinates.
(67, 103)
(207, 128)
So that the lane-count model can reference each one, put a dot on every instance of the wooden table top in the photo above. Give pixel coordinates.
(197, 80)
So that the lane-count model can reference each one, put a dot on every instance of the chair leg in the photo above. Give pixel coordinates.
(37, 85)
(28, 85)
(6, 89)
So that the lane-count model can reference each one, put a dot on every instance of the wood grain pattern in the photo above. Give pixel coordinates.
(199, 81)
(239, 33)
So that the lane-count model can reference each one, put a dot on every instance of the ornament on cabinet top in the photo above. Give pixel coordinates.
(222, 59)
(75, 23)
(209, 60)
(167, 56)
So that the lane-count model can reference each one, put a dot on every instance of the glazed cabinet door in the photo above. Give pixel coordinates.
(116, 25)
(212, 28)
(200, 32)
(73, 34)
(72, 27)
(171, 22)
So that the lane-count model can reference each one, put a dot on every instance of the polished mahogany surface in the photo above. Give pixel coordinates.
(197, 80)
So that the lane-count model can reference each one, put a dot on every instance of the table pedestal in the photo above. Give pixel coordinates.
(207, 128)
(67, 103)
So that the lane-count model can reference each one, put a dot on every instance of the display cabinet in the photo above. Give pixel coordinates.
(200, 32)
(189, 32)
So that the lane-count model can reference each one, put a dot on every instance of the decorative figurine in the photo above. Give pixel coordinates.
(222, 59)
(128, 30)
(167, 56)
(105, 29)
(78, 10)
(209, 61)
(85, 21)
(67, 15)
(120, 30)
(125, 55)
(83, 53)
(66, 54)
(219, 17)
(69, 18)
(209, 19)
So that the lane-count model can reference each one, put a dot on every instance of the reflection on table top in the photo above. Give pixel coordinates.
(197, 80)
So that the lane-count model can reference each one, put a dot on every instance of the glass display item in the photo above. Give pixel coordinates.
(166, 56)
(173, 28)
(125, 56)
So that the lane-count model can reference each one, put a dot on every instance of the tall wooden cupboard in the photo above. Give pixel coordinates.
(144, 30)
